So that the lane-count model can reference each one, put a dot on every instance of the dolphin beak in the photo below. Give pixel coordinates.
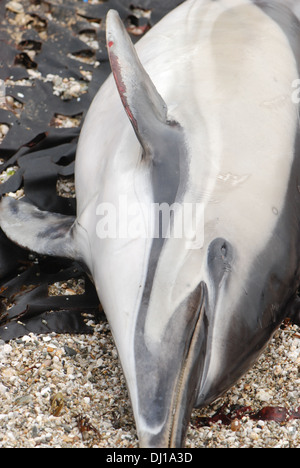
(168, 377)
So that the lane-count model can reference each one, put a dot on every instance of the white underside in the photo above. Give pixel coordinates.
(225, 71)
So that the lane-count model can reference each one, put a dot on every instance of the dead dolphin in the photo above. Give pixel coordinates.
(188, 203)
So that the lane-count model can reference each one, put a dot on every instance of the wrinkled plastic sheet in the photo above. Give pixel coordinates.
(42, 152)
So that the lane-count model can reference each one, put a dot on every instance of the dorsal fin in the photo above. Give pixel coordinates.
(143, 104)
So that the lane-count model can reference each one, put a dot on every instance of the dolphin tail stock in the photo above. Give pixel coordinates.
(39, 231)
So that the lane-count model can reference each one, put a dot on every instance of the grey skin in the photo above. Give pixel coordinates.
(175, 125)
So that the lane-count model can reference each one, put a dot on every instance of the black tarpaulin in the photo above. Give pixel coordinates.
(40, 38)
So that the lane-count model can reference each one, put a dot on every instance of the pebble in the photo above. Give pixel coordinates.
(66, 88)
(4, 129)
(9, 172)
(264, 395)
(15, 7)
(46, 382)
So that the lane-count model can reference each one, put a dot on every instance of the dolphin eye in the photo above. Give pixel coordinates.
(219, 259)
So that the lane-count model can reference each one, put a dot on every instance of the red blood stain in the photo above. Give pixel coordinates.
(110, 44)
(117, 72)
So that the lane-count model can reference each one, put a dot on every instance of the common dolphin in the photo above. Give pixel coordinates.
(201, 118)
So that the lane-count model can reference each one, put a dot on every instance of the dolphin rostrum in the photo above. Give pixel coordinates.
(187, 184)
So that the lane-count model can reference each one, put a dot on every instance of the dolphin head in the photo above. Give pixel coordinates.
(160, 340)
(198, 332)
(189, 311)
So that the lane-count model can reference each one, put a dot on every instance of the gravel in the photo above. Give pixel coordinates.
(69, 391)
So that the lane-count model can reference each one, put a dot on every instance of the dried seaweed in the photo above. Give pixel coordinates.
(228, 416)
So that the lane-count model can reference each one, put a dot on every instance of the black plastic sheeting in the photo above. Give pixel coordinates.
(43, 152)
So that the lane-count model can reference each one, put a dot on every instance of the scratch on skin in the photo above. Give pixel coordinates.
(121, 85)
